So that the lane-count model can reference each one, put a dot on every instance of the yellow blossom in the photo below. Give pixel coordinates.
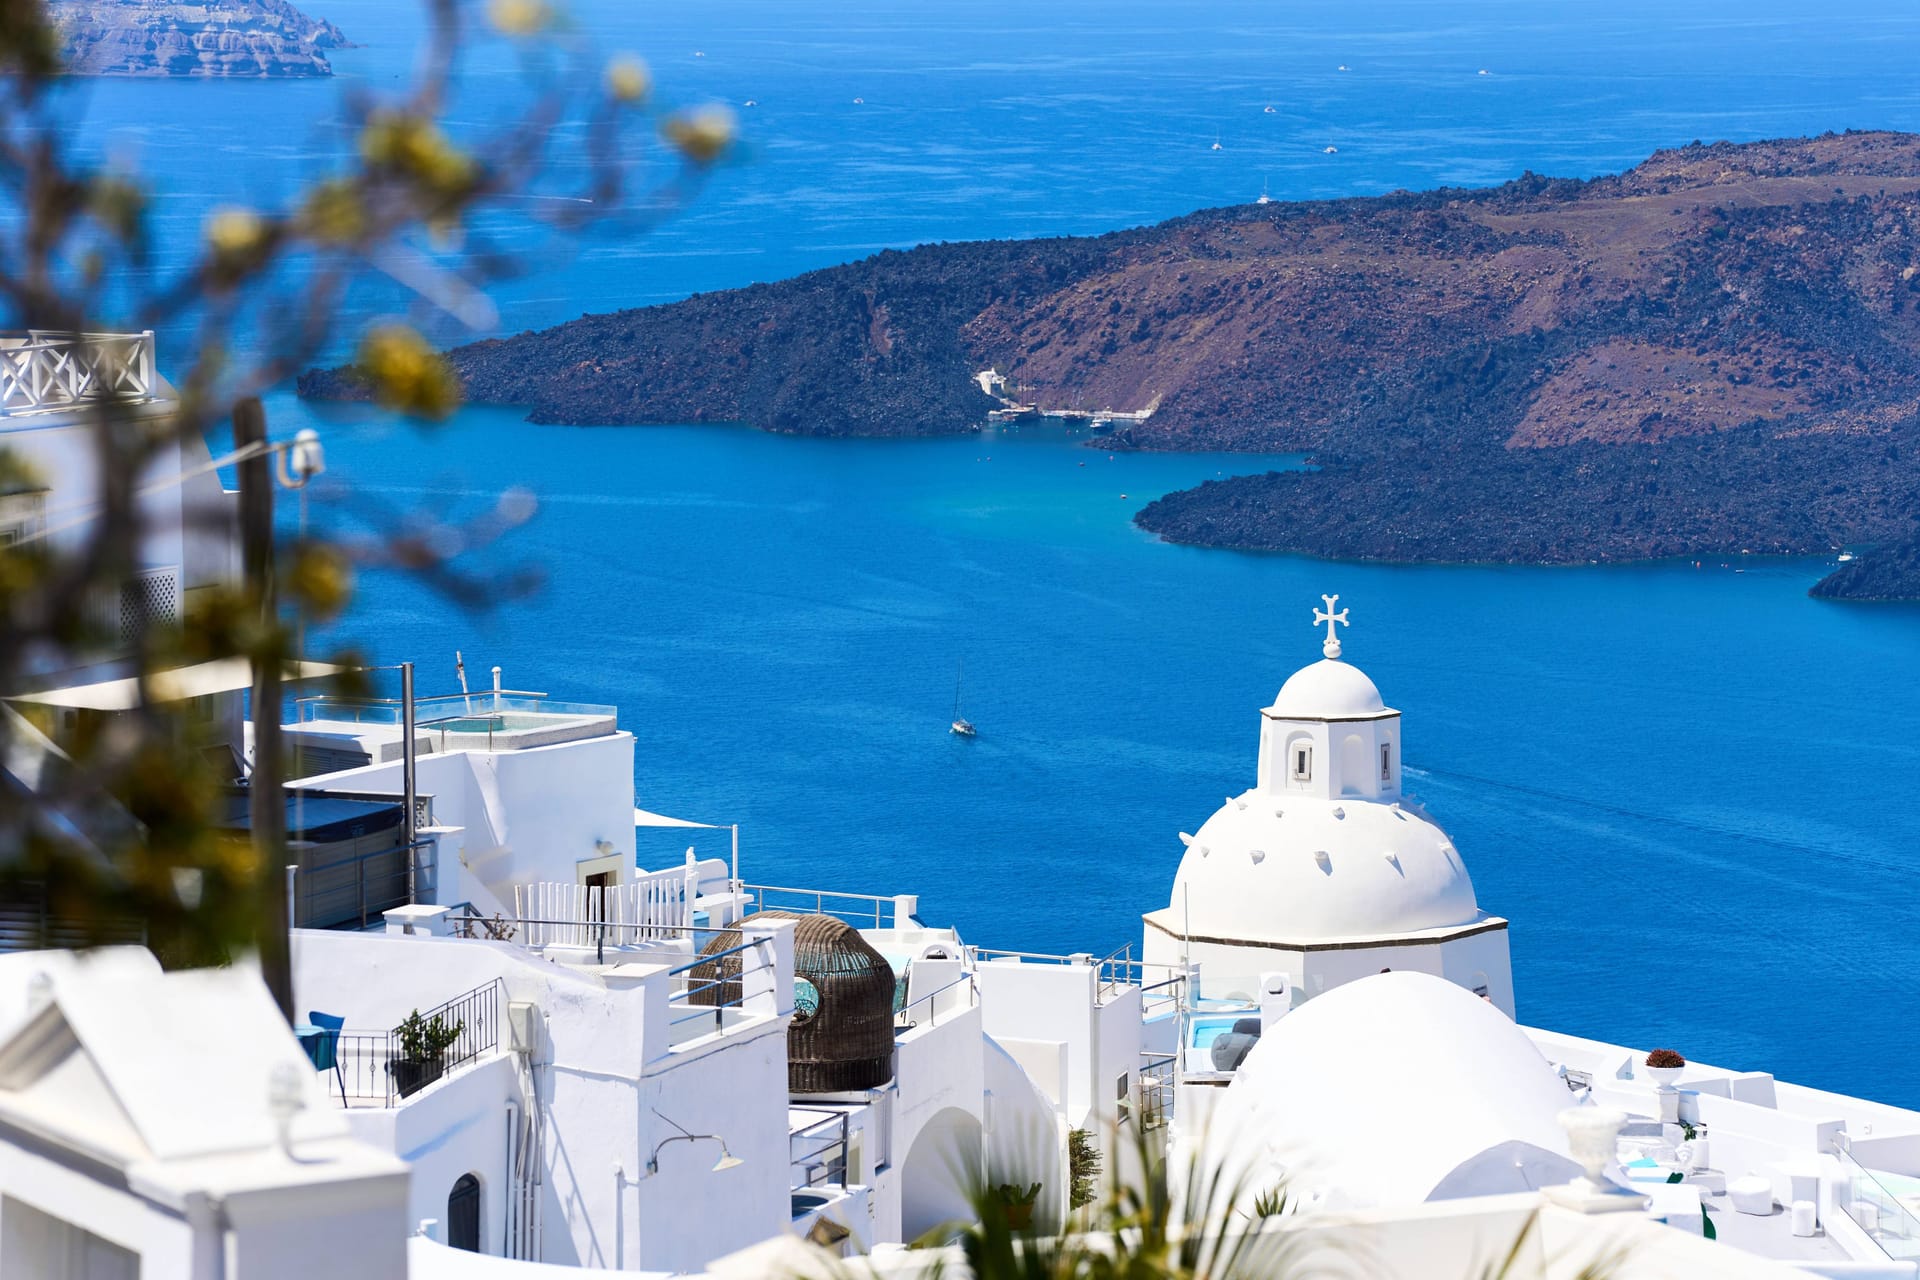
(519, 17)
(628, 79)
(234, 232)
(407, 373)
(701, 135)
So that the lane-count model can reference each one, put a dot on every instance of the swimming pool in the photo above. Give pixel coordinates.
(489, 724)
(1201, 1032)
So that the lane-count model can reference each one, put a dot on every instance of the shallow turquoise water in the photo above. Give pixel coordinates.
(1690, 787)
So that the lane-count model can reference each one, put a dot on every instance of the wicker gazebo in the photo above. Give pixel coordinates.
(842, 1032)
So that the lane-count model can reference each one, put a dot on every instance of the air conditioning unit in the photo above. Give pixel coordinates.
(523, 1026)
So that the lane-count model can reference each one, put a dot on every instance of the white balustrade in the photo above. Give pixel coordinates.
(51, 370)
(649, 908)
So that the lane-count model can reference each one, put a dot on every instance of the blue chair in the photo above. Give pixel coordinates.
(324, 1049)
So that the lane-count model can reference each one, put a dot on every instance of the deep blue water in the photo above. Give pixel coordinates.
(1690, 788)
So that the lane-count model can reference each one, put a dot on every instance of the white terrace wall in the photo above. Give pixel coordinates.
(940, 1070)
(456, 1126)
(608, 1080)
(1026, 1138)
(44, 1183)
(689, 1214)
(1029, 1006)
(523, 816)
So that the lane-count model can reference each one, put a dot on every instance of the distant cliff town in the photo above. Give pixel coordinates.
(215, 38)
(1714, 353)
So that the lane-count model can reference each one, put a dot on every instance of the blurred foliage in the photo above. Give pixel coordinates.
(116, 822)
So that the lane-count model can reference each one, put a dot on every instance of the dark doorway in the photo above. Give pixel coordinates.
(463, 1214)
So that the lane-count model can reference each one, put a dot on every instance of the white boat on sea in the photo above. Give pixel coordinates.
(961, 725)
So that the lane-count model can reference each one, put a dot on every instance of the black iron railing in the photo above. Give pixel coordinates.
(376, 1069)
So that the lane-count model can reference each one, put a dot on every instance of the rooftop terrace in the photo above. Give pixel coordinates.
(43, 372)
(488, 721)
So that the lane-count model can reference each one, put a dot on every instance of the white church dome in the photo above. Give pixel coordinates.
(1287, 868)
(1393, 1090)
(1327, 690)
(1322, 847)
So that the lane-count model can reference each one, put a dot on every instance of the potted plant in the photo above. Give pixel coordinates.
(1664, 1067)
(422, 1052)
(1018, 1204)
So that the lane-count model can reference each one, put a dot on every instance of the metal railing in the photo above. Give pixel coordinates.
(818, 1153)
(47, 370)
(860, 909)
(599, 934)
(1878, 1212)
(363, 1079)
(903, 1018)
(374, 1068)
(723, 1000)
(1155, 1090)
(1115, 970)
(358, 892)
(443, 710)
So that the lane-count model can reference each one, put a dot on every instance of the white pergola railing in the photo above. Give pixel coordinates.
(652, 907)
(41, 370)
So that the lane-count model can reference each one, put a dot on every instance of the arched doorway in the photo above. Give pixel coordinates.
(940, 1173)
(463, 1214)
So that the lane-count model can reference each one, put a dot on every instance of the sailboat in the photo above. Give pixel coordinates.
(961, 725)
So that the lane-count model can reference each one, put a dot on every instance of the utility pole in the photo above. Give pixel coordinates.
(266, 798)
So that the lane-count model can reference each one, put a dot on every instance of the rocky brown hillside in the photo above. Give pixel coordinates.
(1716, 351)
(175, 38)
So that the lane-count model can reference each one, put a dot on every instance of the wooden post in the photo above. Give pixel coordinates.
(266, 798)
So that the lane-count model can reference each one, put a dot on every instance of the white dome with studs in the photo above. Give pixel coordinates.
(1280, 869)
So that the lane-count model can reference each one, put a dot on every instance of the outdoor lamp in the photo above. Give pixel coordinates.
(727, 1159)
(302, 460)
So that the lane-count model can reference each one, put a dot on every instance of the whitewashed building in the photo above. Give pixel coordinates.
(51, 386)
(526, 1053)
(1324, 871)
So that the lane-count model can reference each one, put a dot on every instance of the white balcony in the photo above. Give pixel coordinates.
(42, 372)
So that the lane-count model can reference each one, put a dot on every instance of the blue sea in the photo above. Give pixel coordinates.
(1688, 785)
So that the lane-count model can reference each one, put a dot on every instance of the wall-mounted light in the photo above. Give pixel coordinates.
(727, 1159)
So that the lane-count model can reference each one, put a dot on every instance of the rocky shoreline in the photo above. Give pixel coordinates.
(1715, 352)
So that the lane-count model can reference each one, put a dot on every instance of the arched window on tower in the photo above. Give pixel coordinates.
(1386, 762)
(463, 1214)
(1302, 762)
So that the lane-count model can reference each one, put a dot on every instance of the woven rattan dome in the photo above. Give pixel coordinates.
(846, 1041)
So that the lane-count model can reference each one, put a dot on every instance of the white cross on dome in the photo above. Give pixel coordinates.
(1331, 618)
